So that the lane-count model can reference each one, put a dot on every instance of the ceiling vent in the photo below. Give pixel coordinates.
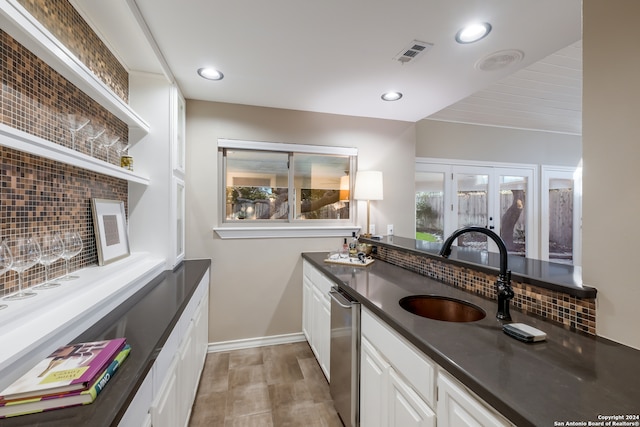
(411, 52)
(499, 60)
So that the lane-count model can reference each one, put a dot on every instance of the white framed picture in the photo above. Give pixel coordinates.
(110, 227)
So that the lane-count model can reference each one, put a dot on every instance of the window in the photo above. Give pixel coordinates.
(273, 185)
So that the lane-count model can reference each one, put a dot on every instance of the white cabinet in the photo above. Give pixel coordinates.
(394, 390)
(164, 410)
(458, 407)
(373, 384)
(169, 390)
(406, 408)
(316, 314)
(398, 384)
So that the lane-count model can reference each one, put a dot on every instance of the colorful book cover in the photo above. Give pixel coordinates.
(69, 368)
(64, 400)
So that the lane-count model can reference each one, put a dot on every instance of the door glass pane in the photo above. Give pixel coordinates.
(473, 208)
(318, 180)
(430, 206)
(257, 185)
(512, 213)
(561, 220)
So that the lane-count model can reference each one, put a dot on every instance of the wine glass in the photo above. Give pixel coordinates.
(51, 248)
(26, 254)
(121, 148)
(93, 133)
(74, 123)
(72, 243)
(107, 141)
(6, 259)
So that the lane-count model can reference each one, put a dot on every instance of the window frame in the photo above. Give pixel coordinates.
(290, 227)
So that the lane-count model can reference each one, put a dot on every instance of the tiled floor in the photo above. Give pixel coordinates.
(279, 386)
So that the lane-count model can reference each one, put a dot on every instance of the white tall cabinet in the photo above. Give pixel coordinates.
(157, 211)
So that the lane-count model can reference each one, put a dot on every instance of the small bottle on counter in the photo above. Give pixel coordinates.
(353, 245)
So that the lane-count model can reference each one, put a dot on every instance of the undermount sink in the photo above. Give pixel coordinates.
(442, 308)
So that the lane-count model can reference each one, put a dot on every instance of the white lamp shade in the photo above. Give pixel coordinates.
(368, 185)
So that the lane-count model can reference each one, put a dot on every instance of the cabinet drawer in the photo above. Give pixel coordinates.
(319, 280)
(403, 356)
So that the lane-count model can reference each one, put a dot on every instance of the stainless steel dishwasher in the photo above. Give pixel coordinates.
(344, 362)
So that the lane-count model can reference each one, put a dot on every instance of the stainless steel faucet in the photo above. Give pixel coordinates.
(503, 284)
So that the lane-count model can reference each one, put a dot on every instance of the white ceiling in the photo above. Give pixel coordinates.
(337, 56)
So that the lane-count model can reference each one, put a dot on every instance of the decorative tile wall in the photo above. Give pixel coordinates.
(34, 98)
(571, 312)
(39, 195)
(43, 196)
(66, 24)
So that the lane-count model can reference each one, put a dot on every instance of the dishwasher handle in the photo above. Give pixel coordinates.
(339, 298)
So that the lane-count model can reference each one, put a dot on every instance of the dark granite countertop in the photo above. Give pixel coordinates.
(146, 320)
(568, 377)
(549, 275)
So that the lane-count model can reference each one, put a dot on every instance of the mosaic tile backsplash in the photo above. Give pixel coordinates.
(35, 99)
(66, 24)
(573, 313)
(38, 195)
(42, 196)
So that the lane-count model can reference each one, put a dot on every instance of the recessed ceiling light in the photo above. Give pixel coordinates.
(210, 74)
(473, 32)
(391, 96)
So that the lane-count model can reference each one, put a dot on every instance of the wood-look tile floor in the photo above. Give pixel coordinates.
(280, 385)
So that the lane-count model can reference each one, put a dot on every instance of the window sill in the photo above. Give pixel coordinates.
(285, 232)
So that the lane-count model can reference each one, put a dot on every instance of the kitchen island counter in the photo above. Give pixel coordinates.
(569, 377)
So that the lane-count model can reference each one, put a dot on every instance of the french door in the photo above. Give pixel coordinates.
(500, 198)
(561, 203)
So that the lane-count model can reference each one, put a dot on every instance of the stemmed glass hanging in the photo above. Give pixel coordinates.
(107, 141)
(72, 246)
(74, 123)
(26, 254)
(6, 259)
(93, 133)
(51, 248)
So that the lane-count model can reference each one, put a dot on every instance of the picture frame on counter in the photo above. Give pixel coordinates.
(110, 228)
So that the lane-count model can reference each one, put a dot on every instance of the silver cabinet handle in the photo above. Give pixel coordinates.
(336, 296)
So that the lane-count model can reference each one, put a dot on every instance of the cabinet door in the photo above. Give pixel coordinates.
(187, 369)
(164, 411)
(307, 301)
(316, 304)
(405, 407)
(373, 386)
(201, 324)
(325, 335)
(459, 408)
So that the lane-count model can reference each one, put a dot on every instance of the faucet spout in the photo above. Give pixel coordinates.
(503, 284)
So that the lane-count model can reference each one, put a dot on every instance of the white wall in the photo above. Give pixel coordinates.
(446, 140)
(256, 285)
(611, 153)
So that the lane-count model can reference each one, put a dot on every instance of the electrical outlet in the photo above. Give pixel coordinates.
(372, 229)
(390, 230)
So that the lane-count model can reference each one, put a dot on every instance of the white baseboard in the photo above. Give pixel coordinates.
(255, 342)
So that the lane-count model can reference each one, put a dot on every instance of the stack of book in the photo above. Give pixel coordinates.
(72, 375)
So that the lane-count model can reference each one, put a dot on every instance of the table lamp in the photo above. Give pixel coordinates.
(368, 187)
